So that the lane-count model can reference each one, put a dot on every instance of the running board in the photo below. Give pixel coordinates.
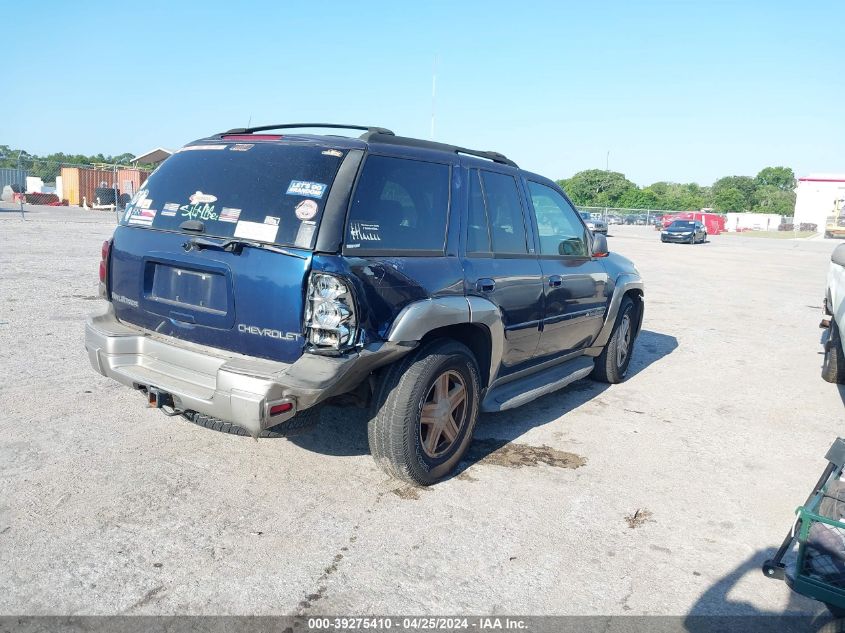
(523, 390)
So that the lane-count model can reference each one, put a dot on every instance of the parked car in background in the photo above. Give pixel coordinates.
(833, 369)
(595, 225)
(714, 223)
(422, 281)
(684, 231)
(613, 219)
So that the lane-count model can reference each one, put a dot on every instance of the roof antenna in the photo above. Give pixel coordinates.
(433, 93)
(249, 123)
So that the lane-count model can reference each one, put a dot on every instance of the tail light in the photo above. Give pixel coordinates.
(330, 321)
(104, 268)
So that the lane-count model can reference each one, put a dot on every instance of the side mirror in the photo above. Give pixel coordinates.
(600, 245)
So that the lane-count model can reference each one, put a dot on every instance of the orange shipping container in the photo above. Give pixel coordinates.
(81, 183)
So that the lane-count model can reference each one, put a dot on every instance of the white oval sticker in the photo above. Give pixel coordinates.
(306, 209)
(199, 198)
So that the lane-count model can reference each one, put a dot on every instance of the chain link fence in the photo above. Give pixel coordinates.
(612, 215)
(103, 186)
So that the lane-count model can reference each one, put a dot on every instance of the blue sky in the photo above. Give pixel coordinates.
(681, 91)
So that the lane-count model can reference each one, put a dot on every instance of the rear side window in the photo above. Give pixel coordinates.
(399, 205)
(478, 236)
(265, 192)
(504, 210)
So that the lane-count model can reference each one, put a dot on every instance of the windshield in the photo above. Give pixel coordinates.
(265, 192)
(678, 224)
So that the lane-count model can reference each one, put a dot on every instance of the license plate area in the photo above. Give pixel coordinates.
(189, 295)
(200, 290)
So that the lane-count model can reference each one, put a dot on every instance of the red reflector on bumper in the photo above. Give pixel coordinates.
(281, 408)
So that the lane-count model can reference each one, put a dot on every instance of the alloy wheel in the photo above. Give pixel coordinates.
(444, 414)
(623, 340)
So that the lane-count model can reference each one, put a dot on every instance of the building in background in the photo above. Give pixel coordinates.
(816, 198)
(752, 221)
(153, 157)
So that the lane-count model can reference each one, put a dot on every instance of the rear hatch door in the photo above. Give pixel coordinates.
(215, 248)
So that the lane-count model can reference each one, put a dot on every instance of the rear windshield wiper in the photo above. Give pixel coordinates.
(235, 246)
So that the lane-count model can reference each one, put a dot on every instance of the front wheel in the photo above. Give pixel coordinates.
(833, 367)
(612, 364)
(424, 413)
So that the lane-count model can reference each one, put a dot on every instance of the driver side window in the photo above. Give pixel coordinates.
(560, 229)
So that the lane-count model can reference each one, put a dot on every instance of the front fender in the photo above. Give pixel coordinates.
(624, 283)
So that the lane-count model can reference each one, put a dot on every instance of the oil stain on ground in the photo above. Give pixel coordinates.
(639, 518)
(514, 455)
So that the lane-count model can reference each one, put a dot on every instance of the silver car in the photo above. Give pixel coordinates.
(595, 225)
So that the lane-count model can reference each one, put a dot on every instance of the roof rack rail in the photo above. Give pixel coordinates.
(392, 139)
(287, 126)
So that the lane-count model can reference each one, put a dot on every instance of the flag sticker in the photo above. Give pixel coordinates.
(170, 209)
(229, 215)
(144, 217)
(306, 189)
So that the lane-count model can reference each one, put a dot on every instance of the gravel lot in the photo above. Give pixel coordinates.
(690, 472)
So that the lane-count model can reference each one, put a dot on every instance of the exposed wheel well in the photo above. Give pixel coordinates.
(475, 336)
(639, 305)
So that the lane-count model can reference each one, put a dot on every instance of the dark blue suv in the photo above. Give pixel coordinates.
(258, 275)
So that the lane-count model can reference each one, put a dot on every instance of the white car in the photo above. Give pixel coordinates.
(833, 369)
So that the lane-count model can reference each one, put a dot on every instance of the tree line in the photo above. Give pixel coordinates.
(47, 167)
(770, 191)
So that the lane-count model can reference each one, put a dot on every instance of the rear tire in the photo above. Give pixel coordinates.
(300, 423)
(612, 364)
(439, 383)
(833, 367)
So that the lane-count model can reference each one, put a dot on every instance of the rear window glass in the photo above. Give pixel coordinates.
(265, 192)
(399, 205)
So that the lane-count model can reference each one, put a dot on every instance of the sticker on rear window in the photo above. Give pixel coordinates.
(270, 219)
(170, 209)
(365, 231)
(305, 188)
(200, 197)
(241, 147)
(332, 152)
(191, 148)
(306, 209)
(256, 231)
(304, 234)
(137, 199)
(198, 211)
(144, 217)
(229, 215)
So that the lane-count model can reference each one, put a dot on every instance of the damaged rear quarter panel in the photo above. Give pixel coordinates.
(385, 285)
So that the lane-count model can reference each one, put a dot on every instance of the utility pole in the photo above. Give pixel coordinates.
(433, 94)
(606, 177)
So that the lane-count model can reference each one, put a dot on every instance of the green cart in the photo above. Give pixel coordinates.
(818, 569)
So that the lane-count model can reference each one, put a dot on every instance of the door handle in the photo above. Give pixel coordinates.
(555, 281)
(485, 285)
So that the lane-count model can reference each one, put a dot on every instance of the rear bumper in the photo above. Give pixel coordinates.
(235, 388)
